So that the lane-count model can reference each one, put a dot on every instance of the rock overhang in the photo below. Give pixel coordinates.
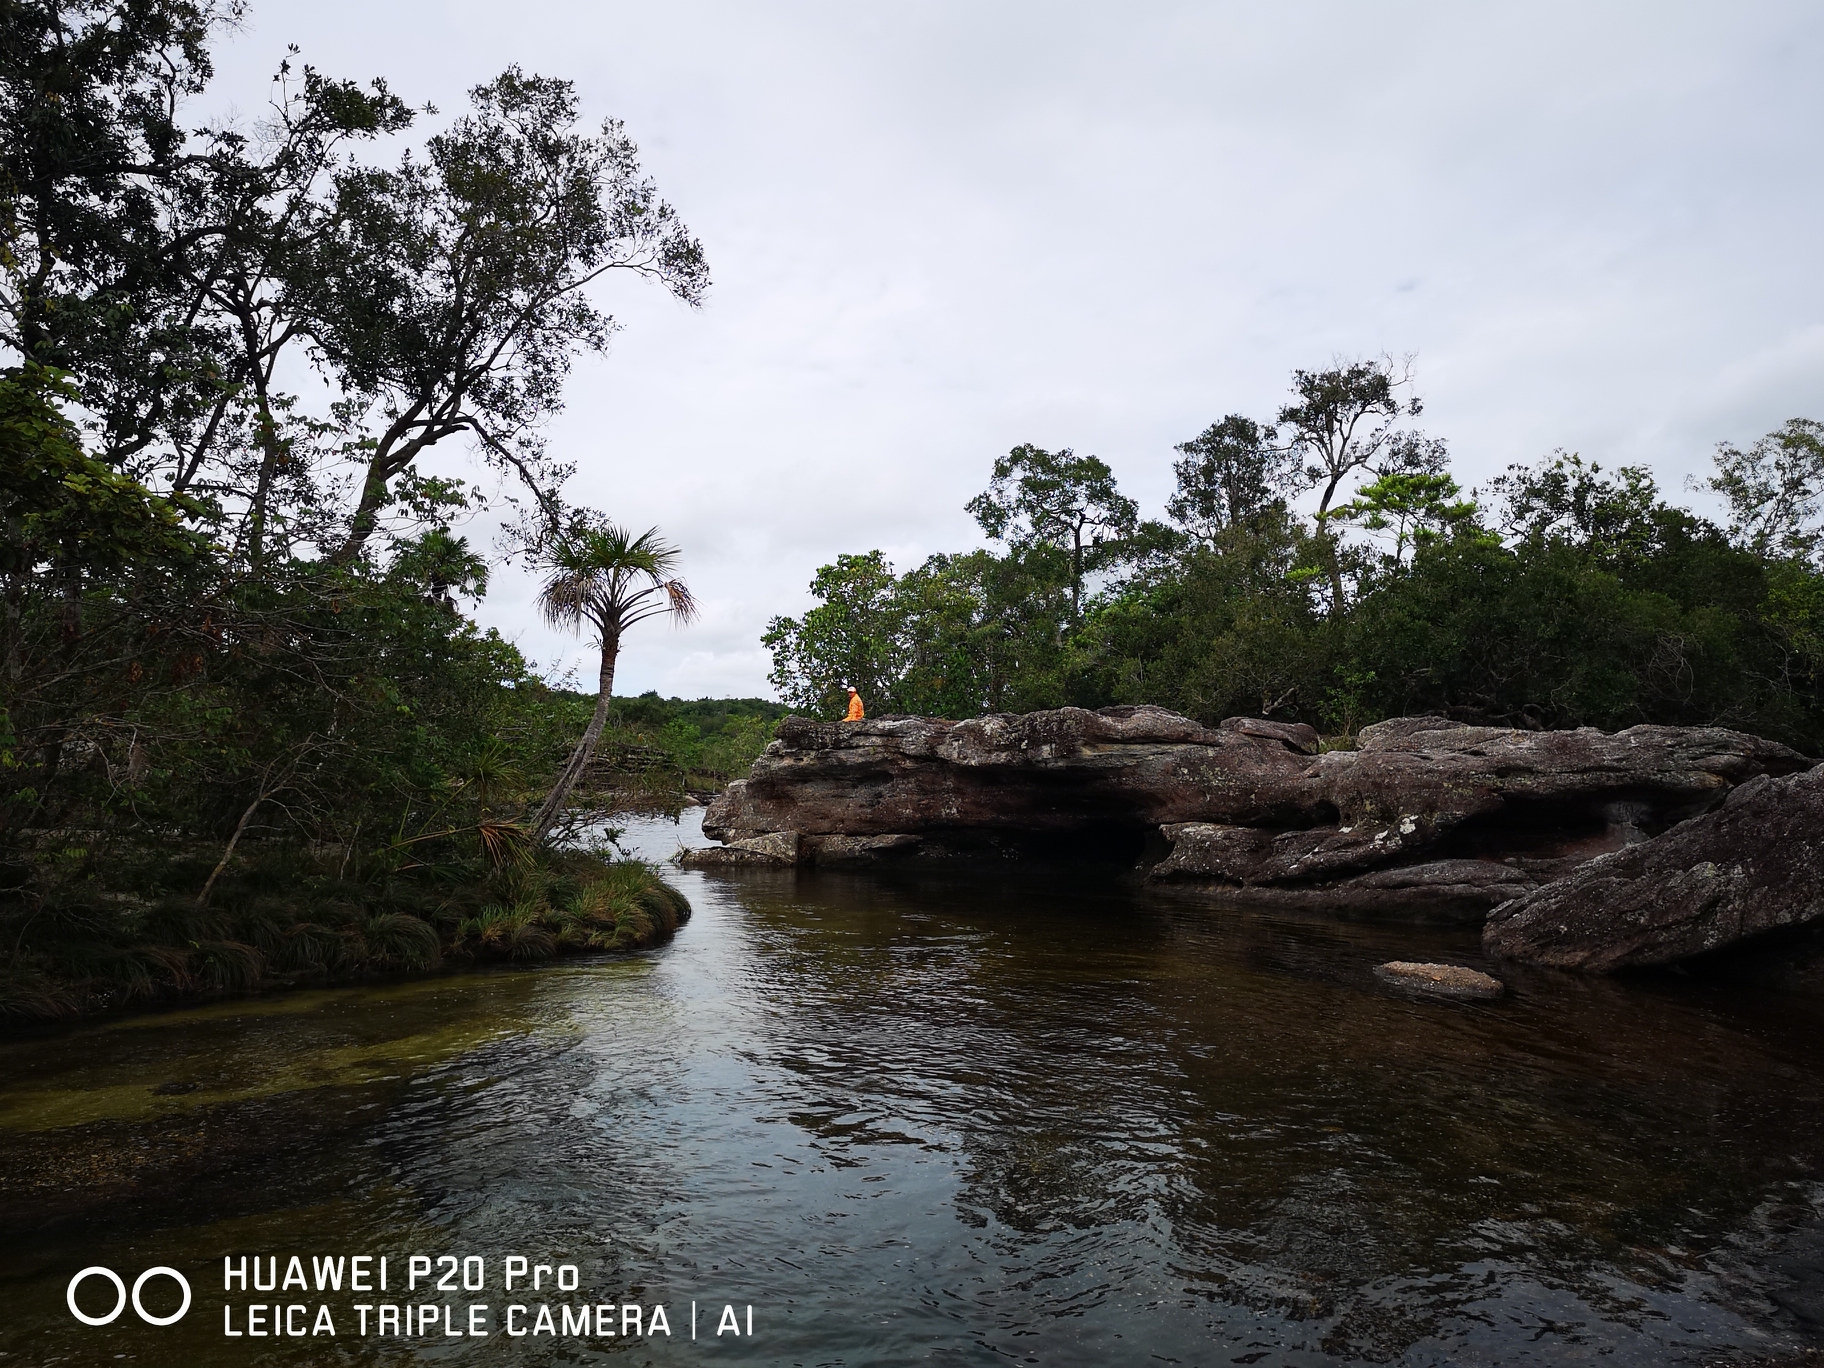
(1476, 814)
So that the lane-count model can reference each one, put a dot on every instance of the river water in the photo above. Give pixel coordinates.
(957, 1116)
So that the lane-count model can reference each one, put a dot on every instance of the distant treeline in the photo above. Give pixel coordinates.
(1326, 567)
(692, 744)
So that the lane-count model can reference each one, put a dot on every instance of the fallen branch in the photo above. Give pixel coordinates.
(268, 788)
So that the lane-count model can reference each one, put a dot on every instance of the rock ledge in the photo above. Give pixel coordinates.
(1427, 817)
(1752, 868)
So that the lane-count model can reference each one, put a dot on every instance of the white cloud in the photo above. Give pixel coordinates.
(940, 230)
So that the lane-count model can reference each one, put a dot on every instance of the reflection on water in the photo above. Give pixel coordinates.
(965, 1115)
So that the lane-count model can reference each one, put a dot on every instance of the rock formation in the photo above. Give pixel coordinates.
(1441, 980)
(776, 849)
(1066, 771)
(1426, 815)
(1753, 866)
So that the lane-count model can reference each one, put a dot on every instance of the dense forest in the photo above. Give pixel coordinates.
(1325, 566)
(247, 731)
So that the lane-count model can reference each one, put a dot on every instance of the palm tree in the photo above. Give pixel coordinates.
(608, 577)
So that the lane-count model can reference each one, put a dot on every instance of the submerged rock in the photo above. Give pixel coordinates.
(1444, 980)
(1753, 866)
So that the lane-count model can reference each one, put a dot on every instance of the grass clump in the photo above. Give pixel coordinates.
(127, 931)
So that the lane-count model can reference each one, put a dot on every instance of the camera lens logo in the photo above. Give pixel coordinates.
(121, 1298)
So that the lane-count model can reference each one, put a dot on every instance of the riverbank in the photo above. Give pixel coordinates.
(140, 927)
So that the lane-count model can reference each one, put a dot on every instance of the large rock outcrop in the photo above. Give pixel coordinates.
(1064, 771)
(1425, 815)
(1752, 867)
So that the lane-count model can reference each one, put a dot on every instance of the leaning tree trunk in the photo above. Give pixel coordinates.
(585, 749)
(366, 519)
(1328, 539)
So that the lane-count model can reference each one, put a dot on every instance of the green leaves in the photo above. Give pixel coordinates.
(1602, 604)
(1414, 510)
(175, 272)
(1226, 475)
(853, 637)
(604, 574)
(1040, 498)
(1564, 499)
(1775, 490)
(954, 637)
(1340, 419)
(59, 504)
(450, 292)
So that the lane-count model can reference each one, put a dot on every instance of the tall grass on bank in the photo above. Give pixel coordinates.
(288, 915)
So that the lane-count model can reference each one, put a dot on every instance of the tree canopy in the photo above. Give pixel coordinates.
(183, 277)
(1367, 585)
(1059, 499)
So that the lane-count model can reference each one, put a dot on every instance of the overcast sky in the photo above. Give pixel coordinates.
(939, 230)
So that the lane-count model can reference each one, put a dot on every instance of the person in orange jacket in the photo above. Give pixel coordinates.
(855, 713)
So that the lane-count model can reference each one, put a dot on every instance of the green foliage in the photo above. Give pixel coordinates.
(1590, 601)
(1037, 499)
(247, 731)
(851, 639)
(439, 566)
(712, 717)
(293, 914)
(655, 750)
(1775, 490)
(59, 505)
(1415, 508)
(1563, 500)
(1227, 475)
(606, 576)
(448, 293)
(1221, 630)
(209, 781)
(89, 98)
(954, 637)
(1339, 421)
(178, 271)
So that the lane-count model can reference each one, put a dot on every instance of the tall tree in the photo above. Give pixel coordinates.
(1567, 500)
(1775, 489)
(853, 636)
(1339, 421)
(452, 294)
(1056, 498)
(605, 576)
(93, 152)
(251, 211)
(170, 269)
(1228, 473)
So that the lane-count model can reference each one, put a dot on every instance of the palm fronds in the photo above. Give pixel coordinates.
(607, 576)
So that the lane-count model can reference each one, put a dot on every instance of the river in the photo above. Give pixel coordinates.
(954, 1115)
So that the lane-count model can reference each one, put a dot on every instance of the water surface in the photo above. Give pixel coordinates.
(971, 1115)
